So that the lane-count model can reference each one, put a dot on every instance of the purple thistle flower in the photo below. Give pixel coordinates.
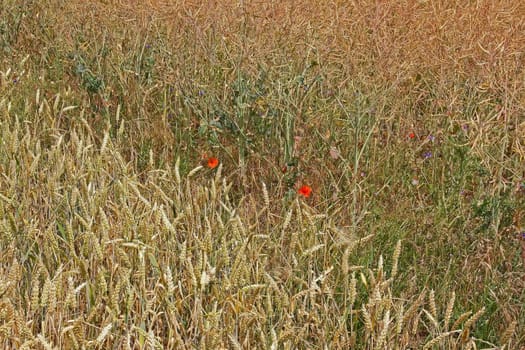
(427, 155)
(431, 138)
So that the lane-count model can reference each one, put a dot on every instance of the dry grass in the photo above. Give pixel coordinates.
(406, 119)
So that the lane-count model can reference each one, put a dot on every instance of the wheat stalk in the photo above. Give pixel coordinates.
(432, 304)
(103, 334)
(508, 333)
(448, 311)
(437, 340)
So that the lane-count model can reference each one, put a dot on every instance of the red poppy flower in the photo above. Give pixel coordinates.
(212, 162)
(305, 191)
(412, 135)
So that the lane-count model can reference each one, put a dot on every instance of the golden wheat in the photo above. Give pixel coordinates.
(114, 233)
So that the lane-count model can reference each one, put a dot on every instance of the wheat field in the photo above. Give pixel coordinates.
(262, 174)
